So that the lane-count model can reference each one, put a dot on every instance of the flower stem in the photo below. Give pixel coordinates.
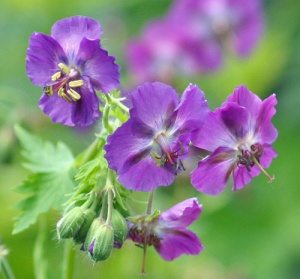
(69, 257)
(4, 265)
(148, 212)
(271, 178)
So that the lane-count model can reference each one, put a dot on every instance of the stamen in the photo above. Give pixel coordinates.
(76, 83)
(64, 68)
(48, 90)
(66, 97)
(271, 178)
(60, 92)
(56, 76)
(75, 96)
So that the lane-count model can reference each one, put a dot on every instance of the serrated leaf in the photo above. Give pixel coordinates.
(50, 181)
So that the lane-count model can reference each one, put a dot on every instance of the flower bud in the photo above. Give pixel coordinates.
(89, 216)
(70, 223)
(119, 224)
(99, 241)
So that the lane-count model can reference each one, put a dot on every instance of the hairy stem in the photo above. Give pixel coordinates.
(69, 258)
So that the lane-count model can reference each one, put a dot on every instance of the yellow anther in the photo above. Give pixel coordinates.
(76, 83)
(66, 97)
(60, 92)
(48, 90)
(64, 68)
(56, 76)
(75, 96)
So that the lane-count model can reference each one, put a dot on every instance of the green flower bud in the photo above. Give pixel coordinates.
(99, 241)
(70, 223)
(89, 216)
(119, 224)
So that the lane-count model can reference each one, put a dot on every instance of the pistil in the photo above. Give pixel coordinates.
(256, 162)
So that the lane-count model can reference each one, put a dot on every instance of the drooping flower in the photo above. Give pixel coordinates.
(70, 65)
(148, 150)
(167, 231)
(239, 135)
(237, 24)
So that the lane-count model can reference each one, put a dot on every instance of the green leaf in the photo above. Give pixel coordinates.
(49, 182)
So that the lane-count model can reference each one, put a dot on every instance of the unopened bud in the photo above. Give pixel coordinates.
(70, 223)
(89, 216)
(99, 241)
(119, 224)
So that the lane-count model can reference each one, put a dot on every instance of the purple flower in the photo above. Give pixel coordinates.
(239, 135)
(70, 64)
(237, 24)
(167, 232)
(147, 150)
(158, 54)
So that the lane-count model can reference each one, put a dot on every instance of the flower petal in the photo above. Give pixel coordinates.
(96, 64)
(43, 56)
(178, 242)
(266, 130)
(86, 110)
(181, 214)
(146, 176)
(212, 173)
(69, 32)
(192, 110)
(57, 108)
(153, 103)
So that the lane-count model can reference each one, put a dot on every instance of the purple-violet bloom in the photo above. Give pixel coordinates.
(237, 24)
(167, 231)
(147, 150)
(239, 135)
(70, 64)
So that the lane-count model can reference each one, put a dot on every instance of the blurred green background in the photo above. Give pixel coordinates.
(252, 233)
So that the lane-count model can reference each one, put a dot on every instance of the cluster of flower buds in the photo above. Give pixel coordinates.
(97, 231)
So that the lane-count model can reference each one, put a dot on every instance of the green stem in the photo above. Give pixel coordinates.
(105, 118)
(5, 268)
(150, 203)
(69, 258)
(116, 102)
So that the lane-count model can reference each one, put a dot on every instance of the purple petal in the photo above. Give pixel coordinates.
(242, 177)
(212, 173)
(128, 142)
(43, 56)
(178, 242)
(57, 108)
(69, 32)
(182, 214)
(97, 65)
(245, 98)
(192, 110)
(154, 103)
(266, 130)
(214, 133)
(86, 110)
(146, 176)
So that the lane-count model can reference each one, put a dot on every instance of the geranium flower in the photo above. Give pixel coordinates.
(237, 24)
(70, 64)
(239, 135)
(167, 231)
(148, 150)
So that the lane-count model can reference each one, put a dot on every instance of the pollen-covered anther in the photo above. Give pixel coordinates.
(48, 90)
(74, 95)
(56, 76)
(60, 92)
(66, 97)
(65, 69)
(76, 83)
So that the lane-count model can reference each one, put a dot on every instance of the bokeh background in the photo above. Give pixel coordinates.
(253, 233)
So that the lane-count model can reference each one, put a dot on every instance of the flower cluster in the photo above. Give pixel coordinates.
(192, 36)
(146, 146)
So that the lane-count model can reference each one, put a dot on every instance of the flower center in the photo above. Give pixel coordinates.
(66, 80)
(250, 157)
(167, 155)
